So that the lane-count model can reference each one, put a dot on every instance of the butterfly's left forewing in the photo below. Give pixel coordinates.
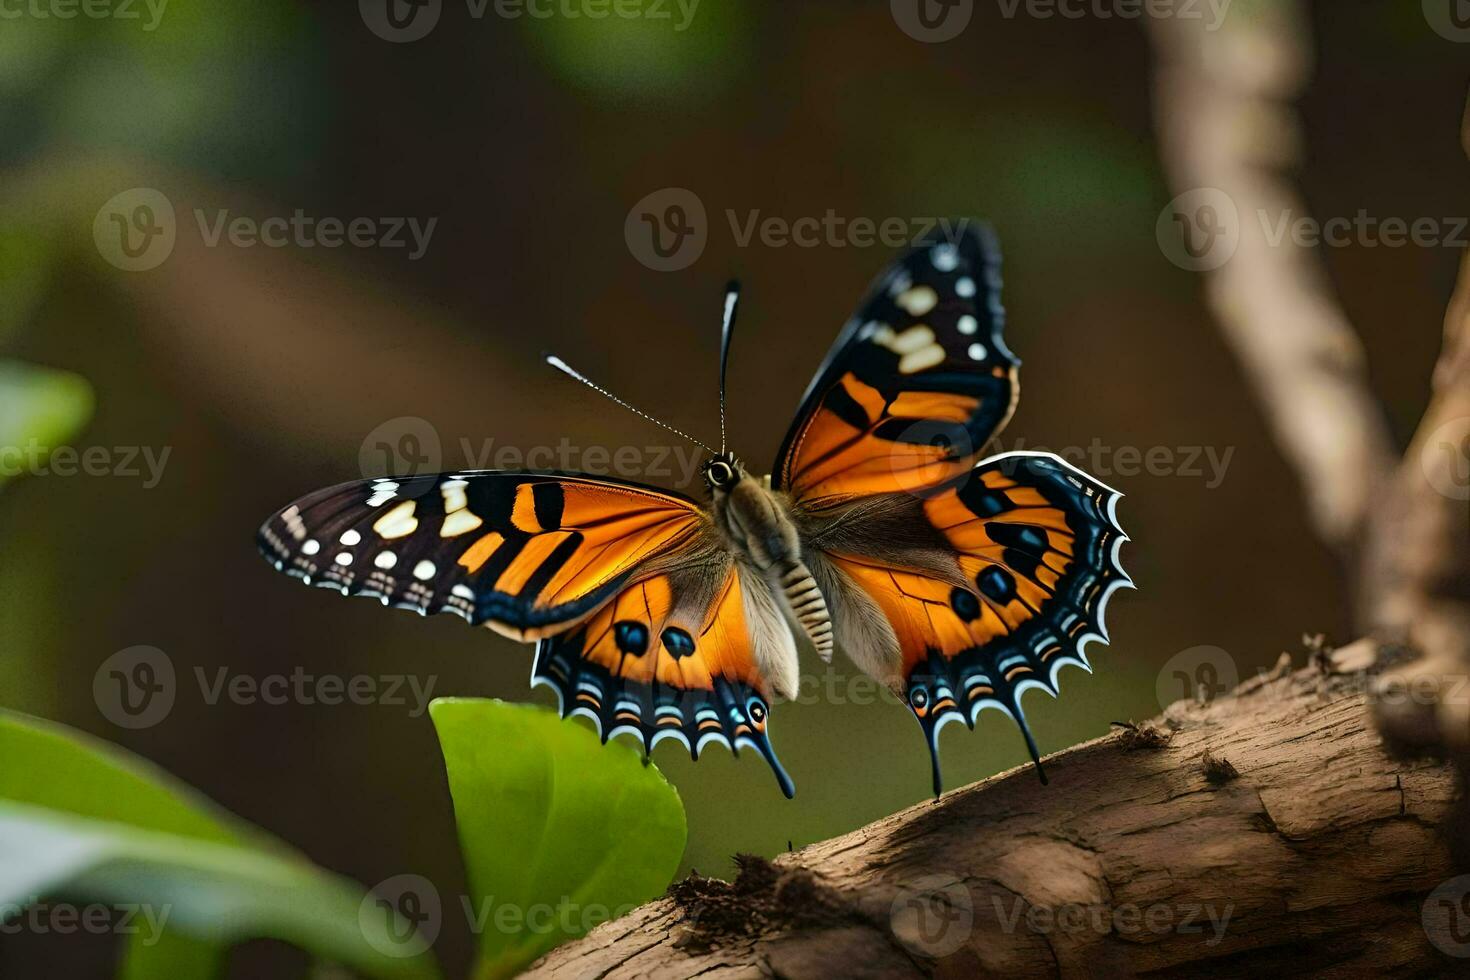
(526, 553)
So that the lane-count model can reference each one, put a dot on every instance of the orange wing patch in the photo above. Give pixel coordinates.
(663, 661)
(860, 442)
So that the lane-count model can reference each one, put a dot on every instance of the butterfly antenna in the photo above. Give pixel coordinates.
(572, 372)
(732, 300)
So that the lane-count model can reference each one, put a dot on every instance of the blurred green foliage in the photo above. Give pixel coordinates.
(556, 830)
(674, 51)
(40, 409)
(84, 819)
(202, 86)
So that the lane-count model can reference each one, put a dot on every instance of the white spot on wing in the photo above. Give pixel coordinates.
(386, 560)
(424, 570)
(916, 348)
(977, 352)
(311, 547)
(919, 300)
(945, 257)
(968, 324)
(911, 340)
(292, 516)
(383, 492)
(921, 360)
(398, 522)
(350, 537)
(458, 523)
(965, 287)
(454, 496)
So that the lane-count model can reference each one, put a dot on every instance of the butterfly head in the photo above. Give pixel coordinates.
(722, 472)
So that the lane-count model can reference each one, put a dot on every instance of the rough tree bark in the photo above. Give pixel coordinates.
(1267, 830)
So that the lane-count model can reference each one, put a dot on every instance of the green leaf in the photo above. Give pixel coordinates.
(83, 819)
(59, 768)
(216, 892)
(559, 832)
(174, 955)
(40, 408)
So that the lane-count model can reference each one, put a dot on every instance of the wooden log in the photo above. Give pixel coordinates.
(1266, 831)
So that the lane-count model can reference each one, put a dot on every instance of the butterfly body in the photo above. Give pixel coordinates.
(758, 524)
(957, 582)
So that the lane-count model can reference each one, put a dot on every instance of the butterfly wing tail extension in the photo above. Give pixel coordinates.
(730, 713)
(946, 708)
(1041, 541)
(631, 672)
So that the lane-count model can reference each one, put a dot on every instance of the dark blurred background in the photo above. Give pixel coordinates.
(264, 371)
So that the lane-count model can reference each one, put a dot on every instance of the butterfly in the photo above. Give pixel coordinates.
(957, 582)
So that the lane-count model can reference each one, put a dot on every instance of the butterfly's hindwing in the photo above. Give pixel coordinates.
(526, 553)
(917, 383)
(1033, 557)
(670, 657)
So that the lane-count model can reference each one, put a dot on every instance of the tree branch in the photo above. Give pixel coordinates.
(1223, 103)
(1404, 528)
(1265, 831)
